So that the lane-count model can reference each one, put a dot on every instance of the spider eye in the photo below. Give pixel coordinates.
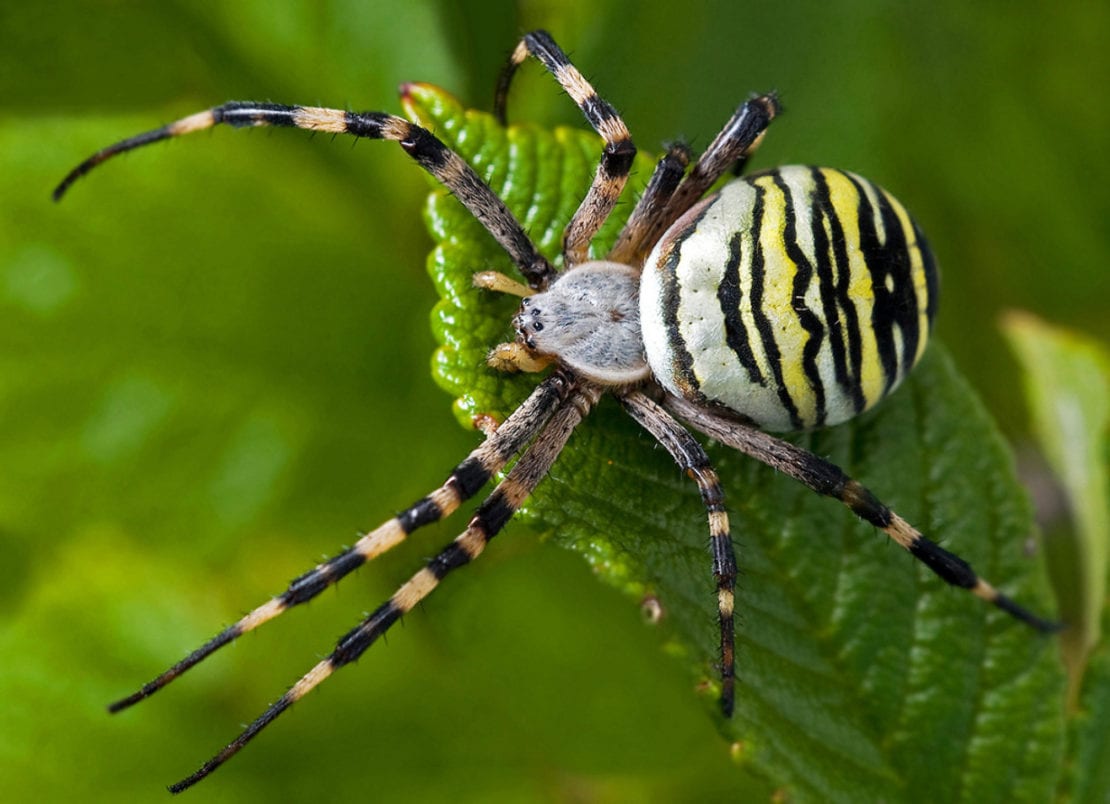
(537, 326)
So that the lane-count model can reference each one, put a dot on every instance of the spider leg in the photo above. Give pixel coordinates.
(830, 480)
(731, 147)
(691, 458)
(497, 509)
(428, 151)
(616, 158)
(465, 480)
(631, 246)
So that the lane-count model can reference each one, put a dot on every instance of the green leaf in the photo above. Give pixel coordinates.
(1067, 385)
(861, 675)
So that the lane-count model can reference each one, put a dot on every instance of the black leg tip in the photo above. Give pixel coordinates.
(1027, 617)
(727, 702)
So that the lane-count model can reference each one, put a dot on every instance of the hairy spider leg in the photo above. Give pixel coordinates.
(497, 509)
(616, 156)
(632, 245)
(738, 139)
(828, 479)
(693, 460)
(419, 143)
(465, 480)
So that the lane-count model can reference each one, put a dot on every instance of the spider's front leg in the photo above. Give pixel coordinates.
(616, 157)
(488, 520)
(464, 481)
(419, 143)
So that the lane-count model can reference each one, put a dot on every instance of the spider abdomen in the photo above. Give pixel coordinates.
(797, 297)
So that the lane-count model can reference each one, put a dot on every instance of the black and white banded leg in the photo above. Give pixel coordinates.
(497, 509)
(419, 143)
(616, 156)
(632, 244)
(731, 147)
(465, 480)
(830, 480)
(692, 459)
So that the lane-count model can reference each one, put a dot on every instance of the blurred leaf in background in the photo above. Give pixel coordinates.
(1067, 380)
(214, 367)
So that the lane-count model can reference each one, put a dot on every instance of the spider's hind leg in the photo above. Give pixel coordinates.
(828, 479)
(692, 459)
(730, 149)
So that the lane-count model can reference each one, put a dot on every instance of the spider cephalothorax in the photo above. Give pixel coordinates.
(589, 321)
(787, 300)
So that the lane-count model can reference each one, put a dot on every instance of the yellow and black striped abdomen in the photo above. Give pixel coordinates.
(798, 297)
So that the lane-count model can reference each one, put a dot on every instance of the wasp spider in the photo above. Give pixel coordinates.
(790, 299)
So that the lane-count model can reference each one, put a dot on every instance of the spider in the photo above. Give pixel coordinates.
(787, 300)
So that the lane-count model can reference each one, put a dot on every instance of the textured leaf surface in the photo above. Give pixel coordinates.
(861, 675)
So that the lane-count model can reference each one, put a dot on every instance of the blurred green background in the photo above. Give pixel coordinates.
(214, 366)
